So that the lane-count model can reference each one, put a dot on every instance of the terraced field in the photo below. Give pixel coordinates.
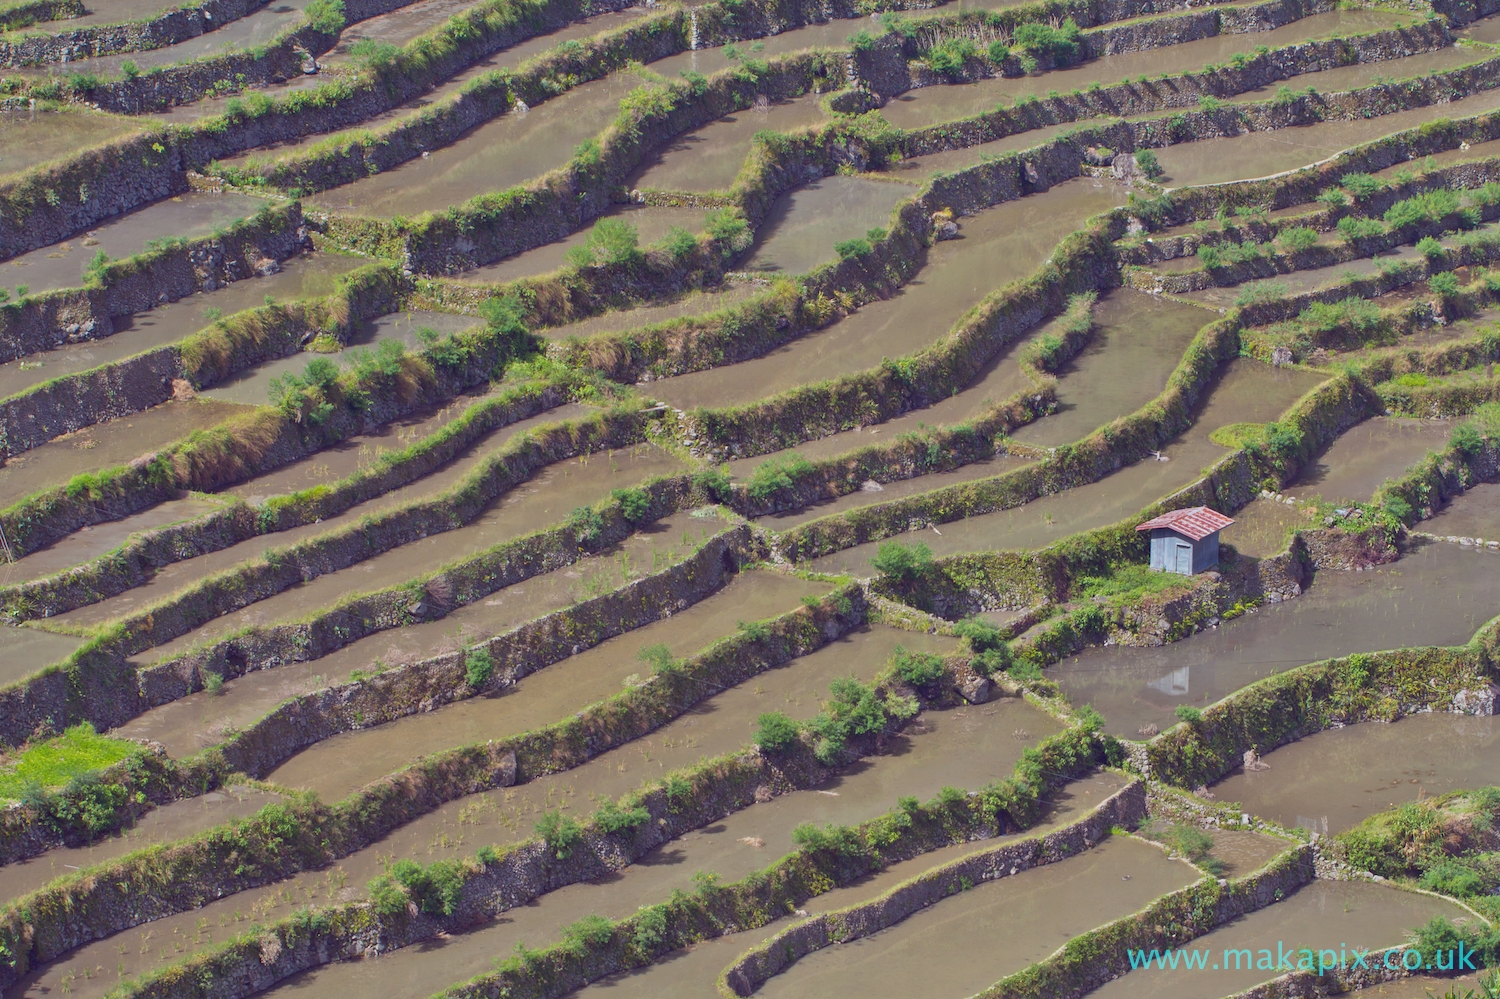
(535, 498)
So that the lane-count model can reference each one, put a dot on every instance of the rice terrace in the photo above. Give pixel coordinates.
(885, 499)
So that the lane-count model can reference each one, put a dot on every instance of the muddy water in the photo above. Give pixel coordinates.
(828, 35)
(921, 168)
(160, 825)
(493, 157)
(1361, 75)
(254, 29)
(874, 492)
(199, 720)
(543, 500)
(1367, 454)
(690, 973)
(301, 277)
(965, 943)
(1331, 781)
(106, 444)
(30, 138)
(460, 827)
(930, 105)
(89, 543)
(1246, 391)
(26, 650)
(997, 381)
(1051, 518)
(709, 158)
(651, 225)
(997, 246)
(341, 765)
(1243, 852)
(252, 386)
(187, 216)
(1138, 340)
(733, 847)
(507, 59)
(1439, 594)
(1260, 154)
(1297, 282)
(1321, 915)
(1477, 151)
(803, 225)
(112, 12)
(396, 28)
(1474, 514)
(694, 304)
(362, 451)
(173, 577)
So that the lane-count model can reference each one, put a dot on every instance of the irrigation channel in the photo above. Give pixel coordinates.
(579, 499)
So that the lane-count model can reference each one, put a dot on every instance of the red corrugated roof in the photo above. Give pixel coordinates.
(1196, 522)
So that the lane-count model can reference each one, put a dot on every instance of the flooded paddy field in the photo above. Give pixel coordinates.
(1019, 919)
(996, 246)
(308, 276)
(861, 712)
(497, 155)
(1262, 154)
(1323, 914)
(106, 444)
(931, 105)
(187, 216)
(31, 138)
(1248, 392)
(545, 499)
(307, 473)
(1436, 594)
(255, 29)
(1331, 781)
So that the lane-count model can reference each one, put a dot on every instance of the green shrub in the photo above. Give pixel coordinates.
(998, 52)
(775, 731)
(479, 666)
(1430, 206)
(1430, 248)
(917, 668)
(730, 229)
(679, 243)
(1296, 239)
(835, 839)
(1444, 283)
(378, 56)
(776, 474)
(435, 889)
(948, 56)
(635, 503)
(587, 935)
(714, 482)
(610, 241)
(1188, 713)
(902, 563)
(981, 635)
(853, 248)
(1149, 164)
(991, 661)
(610, 817)
(1038, 39)
(1360, 186)
(560, 832)
(1353, 228)
(587, 523)
(659, 658)
(1210, 257)
(326, 16)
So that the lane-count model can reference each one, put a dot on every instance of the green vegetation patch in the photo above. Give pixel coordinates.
(78, 752)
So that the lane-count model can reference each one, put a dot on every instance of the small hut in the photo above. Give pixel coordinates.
(1186, 541)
